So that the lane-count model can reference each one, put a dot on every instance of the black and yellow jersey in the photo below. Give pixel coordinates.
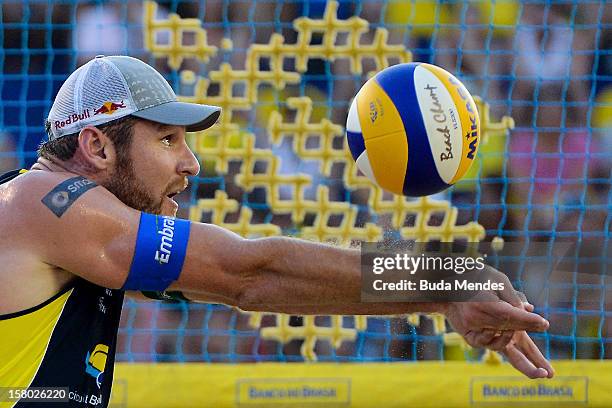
(67, 341)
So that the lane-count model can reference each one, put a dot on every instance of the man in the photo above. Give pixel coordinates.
(93, 218)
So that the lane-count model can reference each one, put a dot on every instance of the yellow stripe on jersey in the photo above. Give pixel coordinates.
(24, 343)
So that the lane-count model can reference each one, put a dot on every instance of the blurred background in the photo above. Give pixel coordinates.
(541, 177)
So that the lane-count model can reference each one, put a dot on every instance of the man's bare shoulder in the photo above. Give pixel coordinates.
(42, 194)
(34, 183)
(30, 185)
(62, 220)
(23, 262)
(21, 195)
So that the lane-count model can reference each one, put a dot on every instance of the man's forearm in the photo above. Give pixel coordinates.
(302, 277)
(374, 308)
(379, 309)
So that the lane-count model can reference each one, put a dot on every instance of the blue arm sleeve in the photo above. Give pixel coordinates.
(161, 246)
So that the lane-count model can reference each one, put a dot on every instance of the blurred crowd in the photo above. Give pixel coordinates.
(547, 65)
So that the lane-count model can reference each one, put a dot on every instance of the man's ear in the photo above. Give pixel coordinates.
(96, 149)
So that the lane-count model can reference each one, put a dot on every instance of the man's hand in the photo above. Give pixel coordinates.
(480, 322)
(502, 327)
(501, 323)
(525, 356)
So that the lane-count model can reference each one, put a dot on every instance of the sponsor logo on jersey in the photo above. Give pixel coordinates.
(95, 362)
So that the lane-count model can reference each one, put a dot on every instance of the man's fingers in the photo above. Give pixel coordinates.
(503, 316)
(525, 356)
(521, 296)
(480, 338)
(510, 295)
(533, 353)
(500, 341)
(522, 363)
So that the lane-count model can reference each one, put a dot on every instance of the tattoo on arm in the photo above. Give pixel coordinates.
(61, 198)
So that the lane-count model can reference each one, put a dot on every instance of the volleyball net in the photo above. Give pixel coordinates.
(276, 163)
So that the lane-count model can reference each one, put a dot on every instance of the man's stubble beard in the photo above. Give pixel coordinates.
(125, 185)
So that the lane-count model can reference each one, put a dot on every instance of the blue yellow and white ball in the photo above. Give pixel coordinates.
(413, 129)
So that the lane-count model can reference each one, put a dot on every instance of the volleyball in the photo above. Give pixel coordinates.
(413, 129)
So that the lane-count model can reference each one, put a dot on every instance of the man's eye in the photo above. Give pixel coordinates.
(167, 140)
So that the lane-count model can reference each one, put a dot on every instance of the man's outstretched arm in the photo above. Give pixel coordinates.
(98, 236)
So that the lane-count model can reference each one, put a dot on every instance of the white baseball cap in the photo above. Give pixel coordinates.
(109, 88)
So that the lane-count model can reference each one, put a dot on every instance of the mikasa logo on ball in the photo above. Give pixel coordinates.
(472, 132)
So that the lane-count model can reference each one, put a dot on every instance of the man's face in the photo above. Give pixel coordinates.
(154, 169)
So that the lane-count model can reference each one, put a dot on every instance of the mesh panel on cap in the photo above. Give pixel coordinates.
(148, 87)
(63, 106)
(94, 94)
(102, 85)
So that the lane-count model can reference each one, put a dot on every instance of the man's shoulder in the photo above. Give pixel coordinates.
(24, 181)
(34, 185)
(34, 178)
(21, 192)
(21, 223)
(64, 220)
(28, 196)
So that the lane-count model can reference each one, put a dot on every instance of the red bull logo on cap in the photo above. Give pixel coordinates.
(74, 118)
(109, 108)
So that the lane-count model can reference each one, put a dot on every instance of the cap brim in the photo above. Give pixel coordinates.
(191, 115)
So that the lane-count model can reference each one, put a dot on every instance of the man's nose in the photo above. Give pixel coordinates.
(188, 165)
